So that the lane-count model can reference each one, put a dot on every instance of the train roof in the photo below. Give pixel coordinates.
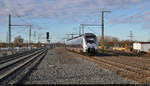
(89, 34)
(74, 38)
(86, 34)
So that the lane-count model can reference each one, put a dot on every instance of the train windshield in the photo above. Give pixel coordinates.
(90, 39)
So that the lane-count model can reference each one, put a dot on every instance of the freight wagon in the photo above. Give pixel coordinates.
(142, 46)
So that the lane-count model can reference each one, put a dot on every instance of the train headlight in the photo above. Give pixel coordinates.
(86, 47)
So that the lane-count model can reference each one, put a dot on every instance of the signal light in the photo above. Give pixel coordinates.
(47, 35)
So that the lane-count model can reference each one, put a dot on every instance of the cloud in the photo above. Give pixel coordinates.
(74, 10)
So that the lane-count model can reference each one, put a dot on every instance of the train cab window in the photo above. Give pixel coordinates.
(90, 41)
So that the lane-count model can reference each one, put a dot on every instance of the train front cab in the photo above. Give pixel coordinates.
(91, 45)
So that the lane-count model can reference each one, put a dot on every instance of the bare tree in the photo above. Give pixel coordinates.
(109, 41)
(115, 41)
(18, 42)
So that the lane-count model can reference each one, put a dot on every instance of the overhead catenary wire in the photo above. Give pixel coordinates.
(27, 23)
(92, 30)
(33, 25)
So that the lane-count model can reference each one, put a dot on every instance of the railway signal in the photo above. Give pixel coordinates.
(47, 35)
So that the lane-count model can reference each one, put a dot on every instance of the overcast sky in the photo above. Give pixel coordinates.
(60, 17)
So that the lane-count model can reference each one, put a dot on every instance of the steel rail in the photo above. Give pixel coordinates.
(20, 63)
(12, 57)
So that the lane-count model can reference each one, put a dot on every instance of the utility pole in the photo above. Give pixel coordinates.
(35, 36)
(72, 34)
(82, 28)
(79, 30)
(38, 37)
(131, 36)
(103, 30)
(30, 34)
(7, 37)
(9, 30)
(64, 39)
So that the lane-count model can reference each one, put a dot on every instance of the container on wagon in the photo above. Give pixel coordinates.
(142, 46)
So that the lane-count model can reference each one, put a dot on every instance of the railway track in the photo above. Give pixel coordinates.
(10, 68)
(123, 53)
(135, 61)
(15, 56)
(137, 73)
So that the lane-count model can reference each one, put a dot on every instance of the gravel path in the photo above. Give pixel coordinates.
(59, 67)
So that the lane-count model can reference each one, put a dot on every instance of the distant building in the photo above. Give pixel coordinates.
(142, 46)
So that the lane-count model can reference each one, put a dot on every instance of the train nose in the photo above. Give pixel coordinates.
(91, 50)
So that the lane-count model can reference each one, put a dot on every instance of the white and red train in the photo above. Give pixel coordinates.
(87, 43)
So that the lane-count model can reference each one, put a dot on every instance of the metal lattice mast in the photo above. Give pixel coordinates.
(131, 36)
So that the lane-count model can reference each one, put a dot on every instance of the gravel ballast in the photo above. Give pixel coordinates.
(59, 67)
